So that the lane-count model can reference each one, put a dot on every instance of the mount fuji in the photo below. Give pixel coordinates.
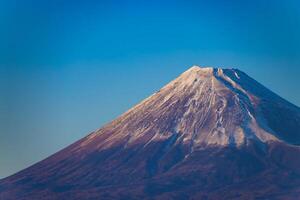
(211, 133)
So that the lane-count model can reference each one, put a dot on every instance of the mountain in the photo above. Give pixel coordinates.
(211, 133)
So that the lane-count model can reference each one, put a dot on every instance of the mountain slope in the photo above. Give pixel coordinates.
(211, 133)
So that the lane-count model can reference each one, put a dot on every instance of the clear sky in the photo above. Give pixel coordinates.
(67, 67)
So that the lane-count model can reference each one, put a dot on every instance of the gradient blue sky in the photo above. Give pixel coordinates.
(68, 66)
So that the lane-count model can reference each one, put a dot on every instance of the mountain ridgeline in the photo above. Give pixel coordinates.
(211, 133)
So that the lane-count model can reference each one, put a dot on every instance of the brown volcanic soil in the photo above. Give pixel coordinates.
(255, 172)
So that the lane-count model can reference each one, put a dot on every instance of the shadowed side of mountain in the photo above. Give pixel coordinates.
(281, 116)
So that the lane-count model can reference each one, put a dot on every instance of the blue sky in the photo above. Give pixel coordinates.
(67, 67)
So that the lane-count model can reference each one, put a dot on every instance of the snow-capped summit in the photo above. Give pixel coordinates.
(211, 133)
(203, 106)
